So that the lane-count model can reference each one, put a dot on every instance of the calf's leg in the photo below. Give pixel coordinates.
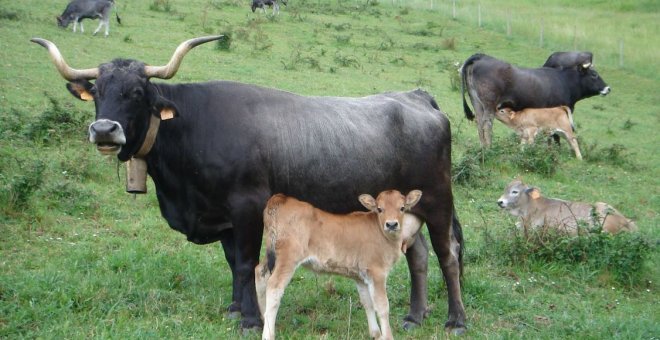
(381, 304)
(368, 304)
(277, 283)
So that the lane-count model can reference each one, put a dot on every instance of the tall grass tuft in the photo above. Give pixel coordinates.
(54, 124)
(615, 154)
(621, 257)
(15, 194)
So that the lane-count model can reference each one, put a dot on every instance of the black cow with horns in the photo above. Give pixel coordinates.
(230, 146)
(492, 84)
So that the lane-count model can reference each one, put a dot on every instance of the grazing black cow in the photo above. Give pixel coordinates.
(270, 3)
(569, 59)
(232, 145)
(77, 10)
(492, 84)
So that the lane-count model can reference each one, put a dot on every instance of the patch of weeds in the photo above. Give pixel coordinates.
(346, 60)
(421, 32)
(454, 80)
(241, 33)
(599, 107)
(224, 43)
(622, 256)
(20, 187)
(404, 10)
(11, 124)
(9, 15)
(615, 154)
(476, 165)
(297, 58)
(343, 39)
(260, 41)
(128, 39)
(628, 124)
(399, 61)
(71, 198)
(161, 6)
(449, 44)
(424, 47)
(343, 27)
(55, 123)
(469, 170)
(537, 158)
(386, 44)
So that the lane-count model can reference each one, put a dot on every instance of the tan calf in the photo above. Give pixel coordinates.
(536, 211)
(528, 122)
(362, 246)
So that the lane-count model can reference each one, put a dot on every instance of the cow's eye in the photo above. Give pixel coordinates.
(403, 208)
(380, 210)
(514, 192)
(137, 93)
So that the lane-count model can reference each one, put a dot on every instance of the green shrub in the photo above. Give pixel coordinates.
(621, 256)
(55, 123)
(21, 186)
(615, 154)
(161, 6)
(224, 43)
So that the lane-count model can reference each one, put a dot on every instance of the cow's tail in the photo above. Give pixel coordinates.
(457, 230)
(116, 12)
(464, 83)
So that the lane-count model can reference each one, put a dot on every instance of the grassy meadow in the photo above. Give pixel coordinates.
(80, 258)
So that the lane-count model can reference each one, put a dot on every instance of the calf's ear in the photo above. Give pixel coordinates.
(413, 198)
(534, 193)
(81, 89)
(368, 201)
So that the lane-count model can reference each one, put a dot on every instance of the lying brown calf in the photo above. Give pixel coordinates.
(537, 211)
(528, 122)
(361, 245)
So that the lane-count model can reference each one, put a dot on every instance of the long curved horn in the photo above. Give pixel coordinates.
(168, 71)
(67, 72)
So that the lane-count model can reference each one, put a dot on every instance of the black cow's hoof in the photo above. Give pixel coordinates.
(250, 332)
(410, 322)
(233, 315)
(234, 311)
(408, 325)
(455, 328)
(251, 324)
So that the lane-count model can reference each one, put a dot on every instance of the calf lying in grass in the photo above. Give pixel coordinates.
(362, 246)
(528, 122)
(536, 211)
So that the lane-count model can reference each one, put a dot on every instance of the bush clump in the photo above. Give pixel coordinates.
(622, 256)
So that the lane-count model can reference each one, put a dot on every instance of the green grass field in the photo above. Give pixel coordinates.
(80, 258)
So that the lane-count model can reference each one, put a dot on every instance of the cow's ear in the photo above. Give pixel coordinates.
(412, 198)
(534, 193)
(368, 201)
(165, 109)
(81, 89)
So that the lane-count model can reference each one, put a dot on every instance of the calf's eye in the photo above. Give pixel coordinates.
(379, 209)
